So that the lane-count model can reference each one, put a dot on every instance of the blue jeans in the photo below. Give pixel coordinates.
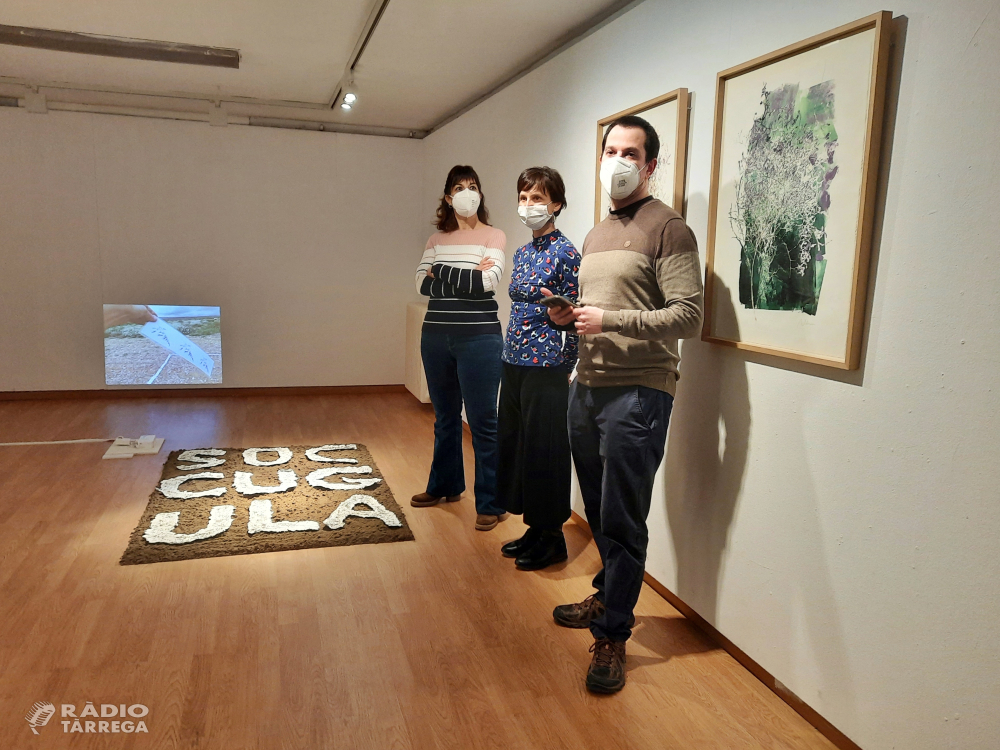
(617, 434)
(463, 368)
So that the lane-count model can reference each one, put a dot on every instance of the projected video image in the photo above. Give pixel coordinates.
(162, 345)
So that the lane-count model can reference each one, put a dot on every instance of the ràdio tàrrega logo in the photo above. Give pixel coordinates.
(112, 718)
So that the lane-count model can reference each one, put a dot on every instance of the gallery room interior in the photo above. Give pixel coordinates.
(303, 446)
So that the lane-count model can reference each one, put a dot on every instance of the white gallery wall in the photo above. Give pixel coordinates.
(842, 529)
(305, 239)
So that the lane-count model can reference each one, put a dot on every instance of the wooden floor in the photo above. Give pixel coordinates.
(437, 643)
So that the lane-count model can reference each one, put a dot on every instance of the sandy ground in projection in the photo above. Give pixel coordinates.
(133, 361)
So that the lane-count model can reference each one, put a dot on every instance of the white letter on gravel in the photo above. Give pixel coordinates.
(348, 508)
(250, 456)
(313, 454)
(245, 486)
(199, 459)
(260, 520)
(315, 478)
(161, 530)
(171, 487)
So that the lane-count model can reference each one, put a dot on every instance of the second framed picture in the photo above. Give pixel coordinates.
(792, 203)
(668, 114)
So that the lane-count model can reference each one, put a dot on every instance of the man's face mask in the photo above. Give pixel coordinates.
(619, 176)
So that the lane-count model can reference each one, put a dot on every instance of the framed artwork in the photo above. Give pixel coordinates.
(668, 114)
(792, 201)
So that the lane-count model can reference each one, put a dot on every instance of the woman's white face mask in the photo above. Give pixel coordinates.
(619, 176)
(535, 217)
(466, 203)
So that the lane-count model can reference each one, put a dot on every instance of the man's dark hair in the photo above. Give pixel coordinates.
(652, 144)
(548, 180)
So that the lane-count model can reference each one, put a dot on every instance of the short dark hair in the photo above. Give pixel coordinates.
(446, 221)
(652, 144)
(548, 180)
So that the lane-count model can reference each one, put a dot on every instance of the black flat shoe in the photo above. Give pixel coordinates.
(520, 546)
(548, 550)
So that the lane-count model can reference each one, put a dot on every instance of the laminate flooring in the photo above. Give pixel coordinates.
(437, 643)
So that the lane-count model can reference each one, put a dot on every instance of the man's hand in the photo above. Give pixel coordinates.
(589, 319)
(563, 315)
(119, 315)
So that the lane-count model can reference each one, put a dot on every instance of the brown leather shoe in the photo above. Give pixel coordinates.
(485, 522)
(580, 615)
(423, 500)
(607, 668)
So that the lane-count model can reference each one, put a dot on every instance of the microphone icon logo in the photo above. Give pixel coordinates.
(39, 715)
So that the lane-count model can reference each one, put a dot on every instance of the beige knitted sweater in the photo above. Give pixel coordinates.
(641, 266)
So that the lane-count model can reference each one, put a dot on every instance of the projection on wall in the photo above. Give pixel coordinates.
(162, 345)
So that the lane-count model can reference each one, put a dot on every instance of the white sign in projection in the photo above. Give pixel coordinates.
(174, 341)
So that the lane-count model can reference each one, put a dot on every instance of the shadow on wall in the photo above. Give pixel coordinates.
(705, 462)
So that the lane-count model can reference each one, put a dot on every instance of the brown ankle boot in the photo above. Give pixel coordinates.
(423, 500)
(607, 668)
(580, 615)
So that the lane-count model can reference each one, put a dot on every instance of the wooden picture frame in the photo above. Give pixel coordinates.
(847, 308)
(678, 141)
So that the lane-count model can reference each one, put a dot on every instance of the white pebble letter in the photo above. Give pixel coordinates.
(161, 530)
(313, 454)
(245, 486)
(260, 520)
(250, 456)
(200, 459)
(171, 487)
(348, 508)
(316, 478)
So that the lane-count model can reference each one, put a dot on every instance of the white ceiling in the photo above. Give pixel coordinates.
(429, 57)
(425, 60)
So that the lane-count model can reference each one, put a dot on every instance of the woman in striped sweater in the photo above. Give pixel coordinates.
(461, 343)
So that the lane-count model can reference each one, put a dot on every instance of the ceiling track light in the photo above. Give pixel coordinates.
(345, 84)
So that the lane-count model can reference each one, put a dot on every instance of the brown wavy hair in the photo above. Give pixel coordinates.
(446, 221)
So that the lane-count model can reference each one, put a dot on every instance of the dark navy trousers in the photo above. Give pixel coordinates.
(617, 435)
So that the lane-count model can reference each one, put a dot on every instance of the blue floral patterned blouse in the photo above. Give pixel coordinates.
(548, 261)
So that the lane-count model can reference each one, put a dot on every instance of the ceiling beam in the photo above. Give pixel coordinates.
(116, 46)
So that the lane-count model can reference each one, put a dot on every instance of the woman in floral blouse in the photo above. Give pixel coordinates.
(533, 475)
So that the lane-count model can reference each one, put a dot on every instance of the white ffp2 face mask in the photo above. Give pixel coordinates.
(466, 203)
(534, 217)
(619, 177)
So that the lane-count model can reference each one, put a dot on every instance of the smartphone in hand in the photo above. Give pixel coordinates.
(558, 300)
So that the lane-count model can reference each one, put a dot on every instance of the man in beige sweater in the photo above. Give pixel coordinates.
(640, 292)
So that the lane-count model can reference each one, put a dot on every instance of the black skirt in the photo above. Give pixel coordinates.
(534, 467)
